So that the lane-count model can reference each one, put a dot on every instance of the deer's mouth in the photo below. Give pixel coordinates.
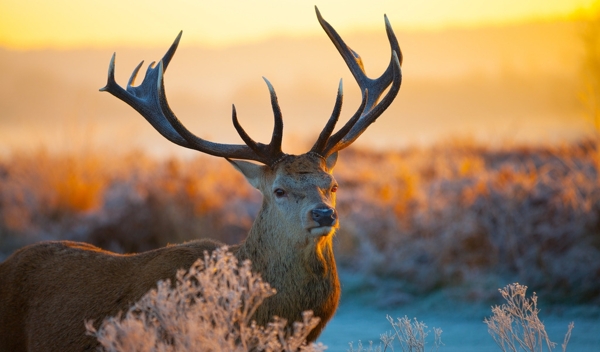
(321, 231)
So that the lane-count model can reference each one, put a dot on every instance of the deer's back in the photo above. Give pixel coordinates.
(48, 290)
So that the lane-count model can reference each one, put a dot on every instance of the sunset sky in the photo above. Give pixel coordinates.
(492, 69)
(30, 24)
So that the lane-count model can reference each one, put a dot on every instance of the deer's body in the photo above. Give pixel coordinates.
(48, 290)
(96, 284)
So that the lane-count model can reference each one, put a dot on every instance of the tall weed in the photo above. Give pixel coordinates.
(516, 326)
(410, 334)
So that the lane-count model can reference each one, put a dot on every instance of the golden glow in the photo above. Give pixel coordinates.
(26, 24)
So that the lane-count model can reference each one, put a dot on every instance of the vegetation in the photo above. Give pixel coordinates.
(411, 335)
(457, 215)
(208, 309)
(462, 214)
(516, 325)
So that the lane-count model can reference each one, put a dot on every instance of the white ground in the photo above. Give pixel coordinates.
(362, 318)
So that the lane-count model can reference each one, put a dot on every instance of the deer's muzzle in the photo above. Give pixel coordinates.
(324, 216)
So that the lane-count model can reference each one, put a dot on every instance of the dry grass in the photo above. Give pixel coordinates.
(458, 215)
(411, 336)
(516, 326)
(209, 308)
(474, 213)
(127, 203)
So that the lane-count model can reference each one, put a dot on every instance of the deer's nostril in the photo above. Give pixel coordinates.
(324, 216)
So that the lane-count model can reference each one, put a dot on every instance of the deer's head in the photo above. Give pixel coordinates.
(299, 195)
(299, 190)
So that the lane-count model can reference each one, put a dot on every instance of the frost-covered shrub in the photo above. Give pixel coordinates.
(410, 335)
(209, 308)
(516, 326)
(472, 216)
(457, 215)
(124, 203)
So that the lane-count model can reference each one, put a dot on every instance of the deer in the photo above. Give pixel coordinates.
(49, 289)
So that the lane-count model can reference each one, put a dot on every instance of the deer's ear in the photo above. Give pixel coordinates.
(331, 160)
(252, 172)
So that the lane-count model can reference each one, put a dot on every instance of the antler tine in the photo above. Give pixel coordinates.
(366, 119)
(266, 154)
(273, 149)
(321, 142)
(277, 136)
(166, 60)
(326, 142)
(334, 142)
(149, 99)
(242, 133)
(352, 59)
(142, 101)
(141, 98)
(193, 141)
(375, 87)
(133, 76)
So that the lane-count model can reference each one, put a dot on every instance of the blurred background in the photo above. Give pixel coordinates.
(483, 172)
(495, 71)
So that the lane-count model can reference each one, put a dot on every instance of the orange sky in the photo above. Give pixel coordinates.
(26, 24)
(516, 80)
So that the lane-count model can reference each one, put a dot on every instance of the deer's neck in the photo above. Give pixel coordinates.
(303, 272)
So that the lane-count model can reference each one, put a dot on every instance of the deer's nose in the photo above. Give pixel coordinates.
(324, 216)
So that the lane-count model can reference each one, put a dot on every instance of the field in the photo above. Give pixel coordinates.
(485, 171)
(456, 220)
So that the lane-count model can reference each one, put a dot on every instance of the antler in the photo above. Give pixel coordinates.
(371, 89)
(150, 101)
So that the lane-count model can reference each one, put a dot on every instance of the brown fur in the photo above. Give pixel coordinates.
(48, 290)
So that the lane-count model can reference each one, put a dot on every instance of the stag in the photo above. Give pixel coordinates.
(49, 289)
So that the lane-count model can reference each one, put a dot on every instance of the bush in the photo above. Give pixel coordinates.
(410, 334)
(456, 215)
(516, 326)
(209, 308)
(468, 216)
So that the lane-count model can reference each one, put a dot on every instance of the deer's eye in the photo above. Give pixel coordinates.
(334, 189)
(279, 193)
